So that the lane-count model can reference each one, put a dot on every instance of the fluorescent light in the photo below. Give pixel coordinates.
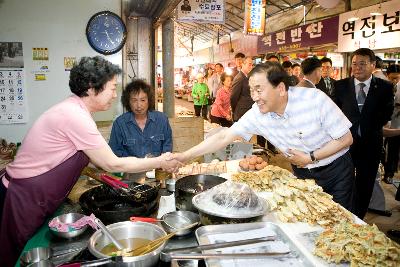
(375, 14)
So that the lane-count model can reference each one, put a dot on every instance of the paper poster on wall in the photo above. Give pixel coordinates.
(13, 104)
(40, 77)
(40, 53)
(69, 63)
(11, 55)
(40, 57)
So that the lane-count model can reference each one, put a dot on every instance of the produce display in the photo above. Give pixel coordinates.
(361, 245)
(295, 200)
(252, 163)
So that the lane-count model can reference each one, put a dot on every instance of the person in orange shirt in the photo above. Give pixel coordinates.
(221, 109)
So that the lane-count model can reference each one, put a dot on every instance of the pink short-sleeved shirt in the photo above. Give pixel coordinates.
(57, 135)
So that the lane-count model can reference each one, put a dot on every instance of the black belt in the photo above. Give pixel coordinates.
(320, 168)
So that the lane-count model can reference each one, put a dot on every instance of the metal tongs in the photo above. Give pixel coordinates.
(192, 253)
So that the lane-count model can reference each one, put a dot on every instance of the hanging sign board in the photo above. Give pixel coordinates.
(254, 18)
(370, 31)
(313, 34)
(202, 11)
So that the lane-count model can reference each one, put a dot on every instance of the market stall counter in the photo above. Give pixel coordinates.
(298, 233)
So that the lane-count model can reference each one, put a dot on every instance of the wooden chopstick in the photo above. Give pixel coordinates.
(156, 242)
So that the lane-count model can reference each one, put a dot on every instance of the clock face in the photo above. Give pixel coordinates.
(106, 32)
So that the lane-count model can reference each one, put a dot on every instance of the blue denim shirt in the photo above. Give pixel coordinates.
(127, 139)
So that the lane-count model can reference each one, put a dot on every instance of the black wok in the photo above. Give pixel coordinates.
(110, 207)
(189, 186)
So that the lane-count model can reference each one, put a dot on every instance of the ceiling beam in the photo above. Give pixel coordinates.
(273, 4)
(164, 11)
(232, 5)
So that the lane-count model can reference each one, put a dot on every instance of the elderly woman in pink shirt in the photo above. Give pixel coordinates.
(54, 152)
(221, 109)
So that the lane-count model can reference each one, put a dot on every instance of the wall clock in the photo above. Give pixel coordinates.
(106, 32)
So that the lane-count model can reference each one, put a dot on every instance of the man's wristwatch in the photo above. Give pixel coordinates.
(313, 159)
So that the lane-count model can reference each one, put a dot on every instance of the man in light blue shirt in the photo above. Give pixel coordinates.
(305, 125)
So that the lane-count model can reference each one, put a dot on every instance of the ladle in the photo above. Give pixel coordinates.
(108, 234)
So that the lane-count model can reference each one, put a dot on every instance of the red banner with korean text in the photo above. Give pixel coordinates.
(365, 28)
(313, 34)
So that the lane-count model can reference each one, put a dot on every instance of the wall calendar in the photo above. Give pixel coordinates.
(13, 104)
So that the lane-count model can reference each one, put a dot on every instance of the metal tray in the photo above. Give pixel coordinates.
(294, 258)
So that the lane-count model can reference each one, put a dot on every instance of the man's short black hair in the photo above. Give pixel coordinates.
(286, 64)
(394, 68)
(295, 65)
(378, 62)
(219, 64)
(240, 55)
(272, 56)
(274, 73)
(91, 72)
(326, 59)
(133, 88)
(365, 52)
(310, 64)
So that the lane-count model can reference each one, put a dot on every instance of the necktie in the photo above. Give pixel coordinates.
(361, 97)
(328, 85)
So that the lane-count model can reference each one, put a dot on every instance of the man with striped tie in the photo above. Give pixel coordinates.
(367, 101)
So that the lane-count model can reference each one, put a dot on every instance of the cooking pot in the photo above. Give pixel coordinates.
(189, 186)
(126, 230)
(110, 207)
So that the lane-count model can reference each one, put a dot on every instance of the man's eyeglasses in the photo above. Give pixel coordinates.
(361, 64)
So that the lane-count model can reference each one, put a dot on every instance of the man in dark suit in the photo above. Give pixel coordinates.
(311, 68)
(239, 58)
(241, 100)
(326, 83)
(367, 102)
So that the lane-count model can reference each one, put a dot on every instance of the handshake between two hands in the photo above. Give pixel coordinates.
(171, 162)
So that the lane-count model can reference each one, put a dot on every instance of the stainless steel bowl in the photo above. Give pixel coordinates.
(35, 255)
(44, 263)
(126, 230)
(69, 218)
(175, 220)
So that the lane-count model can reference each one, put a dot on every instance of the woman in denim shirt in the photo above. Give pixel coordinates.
(141, 130)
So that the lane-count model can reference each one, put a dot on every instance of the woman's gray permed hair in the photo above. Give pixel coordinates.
(91, 72)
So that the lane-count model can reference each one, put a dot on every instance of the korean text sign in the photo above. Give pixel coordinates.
(370, 31)
(202, 11)
(254, 17)
(317, 33)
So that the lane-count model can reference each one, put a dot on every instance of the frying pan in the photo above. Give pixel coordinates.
(110, 207)
(189, 186)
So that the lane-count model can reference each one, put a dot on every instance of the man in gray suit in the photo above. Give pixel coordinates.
(311, 68)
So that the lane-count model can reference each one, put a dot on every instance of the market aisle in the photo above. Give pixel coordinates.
(387, 223)
(181, 105)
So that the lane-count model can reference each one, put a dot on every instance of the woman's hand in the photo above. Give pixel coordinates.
(169, 162)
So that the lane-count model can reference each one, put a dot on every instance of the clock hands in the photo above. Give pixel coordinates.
(108, 37)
